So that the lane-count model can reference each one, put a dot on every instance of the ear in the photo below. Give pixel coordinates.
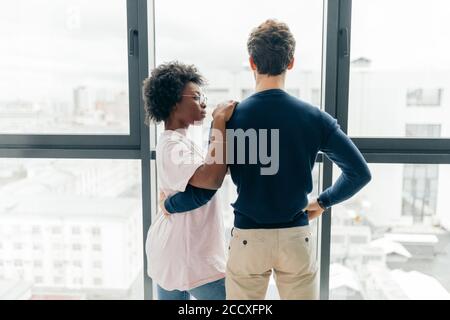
(291, 64)
(252, 64)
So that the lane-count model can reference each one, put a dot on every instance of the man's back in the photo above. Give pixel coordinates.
(295, 132)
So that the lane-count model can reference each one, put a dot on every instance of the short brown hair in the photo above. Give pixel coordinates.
(272, 47)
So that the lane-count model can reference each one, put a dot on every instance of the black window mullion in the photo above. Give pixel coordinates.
(136, 45)
(405, 158)
(403, 145)
(146, 36)
(333, 65)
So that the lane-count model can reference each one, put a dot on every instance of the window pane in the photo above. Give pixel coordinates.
(400, 72)
(213, 36)
(220, 51)
(423, 130)
(70, 229)
(64, 67)
(392, 240)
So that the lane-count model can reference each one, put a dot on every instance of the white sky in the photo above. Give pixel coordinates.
(217, 31)
(398, 34)
(48, 47)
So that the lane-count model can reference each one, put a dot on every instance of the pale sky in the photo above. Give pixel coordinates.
(217, 31)
(48, 47)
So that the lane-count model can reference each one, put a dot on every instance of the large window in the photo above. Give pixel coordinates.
(201, 35)
(185, 33)
(221, 55)
(77, 182)
(64, 67)
(400, 69)
(390, 241)
(379, 252)
(71, 210)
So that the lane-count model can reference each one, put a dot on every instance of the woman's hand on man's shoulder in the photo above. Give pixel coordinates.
(224, 110)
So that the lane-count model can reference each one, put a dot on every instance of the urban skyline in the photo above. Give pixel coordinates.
(72, 229)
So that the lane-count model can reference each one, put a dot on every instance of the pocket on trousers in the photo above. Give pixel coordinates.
(248, 255)
(297, 255)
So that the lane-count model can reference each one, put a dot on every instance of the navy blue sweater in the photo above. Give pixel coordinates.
(277, 200)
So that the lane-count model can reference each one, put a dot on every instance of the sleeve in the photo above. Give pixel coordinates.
(179, 163)
(188, 200)
(343, 152)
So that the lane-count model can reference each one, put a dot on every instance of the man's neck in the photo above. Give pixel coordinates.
(264, 82)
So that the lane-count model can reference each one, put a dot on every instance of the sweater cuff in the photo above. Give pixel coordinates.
(168, 205)
(325, 199)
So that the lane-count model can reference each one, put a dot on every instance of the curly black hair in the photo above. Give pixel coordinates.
(163, 90)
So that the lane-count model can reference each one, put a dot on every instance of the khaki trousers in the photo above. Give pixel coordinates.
(254, 253)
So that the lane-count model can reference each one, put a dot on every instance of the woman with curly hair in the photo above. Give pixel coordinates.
(186, 251)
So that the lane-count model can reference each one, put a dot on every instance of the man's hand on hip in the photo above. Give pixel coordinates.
(314, 210)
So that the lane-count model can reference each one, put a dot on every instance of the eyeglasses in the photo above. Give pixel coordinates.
(202, 99)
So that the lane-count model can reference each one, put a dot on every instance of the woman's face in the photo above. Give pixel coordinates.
(189, 110)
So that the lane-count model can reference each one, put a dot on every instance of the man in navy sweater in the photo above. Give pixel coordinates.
(271, 230)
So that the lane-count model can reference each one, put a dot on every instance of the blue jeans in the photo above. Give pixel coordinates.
(210, 291)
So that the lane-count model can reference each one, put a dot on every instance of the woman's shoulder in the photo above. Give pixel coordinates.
(167, 140)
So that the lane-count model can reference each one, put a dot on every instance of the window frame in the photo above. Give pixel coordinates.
(135, 145)
(374, 150)
(140, 143)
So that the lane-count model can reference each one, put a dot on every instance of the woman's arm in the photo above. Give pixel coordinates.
(210, 175)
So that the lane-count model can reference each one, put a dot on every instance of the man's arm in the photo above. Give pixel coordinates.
(191, 199)
(355, 172)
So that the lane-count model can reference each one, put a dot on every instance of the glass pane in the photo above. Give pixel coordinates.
(64, 67)
(392, 240)
(70, 229)
(213, 36)
(220, 51)
(400, 71)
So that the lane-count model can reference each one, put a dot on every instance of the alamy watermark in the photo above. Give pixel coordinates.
(249, 146)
